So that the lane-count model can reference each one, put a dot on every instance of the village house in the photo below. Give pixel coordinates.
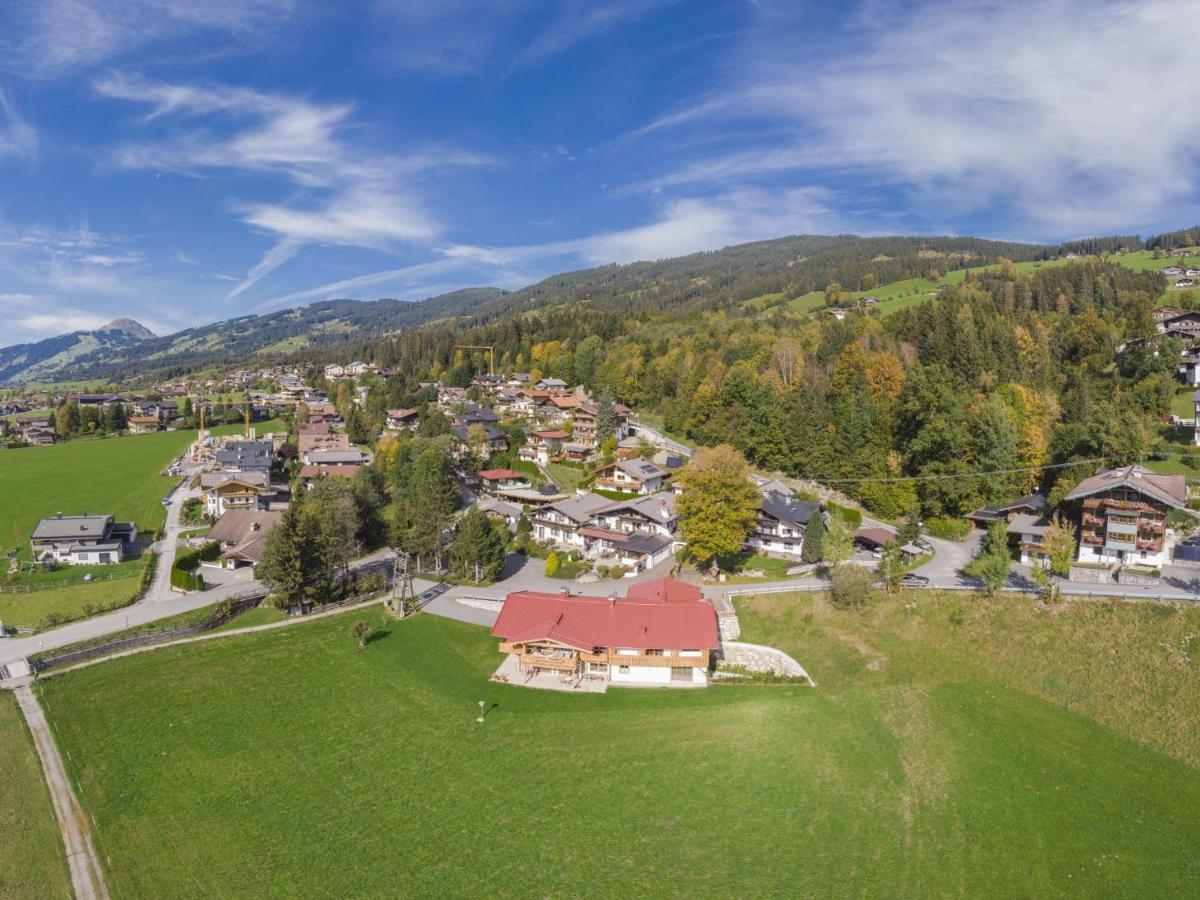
(322, 458)
(559, 523)
(143, 424)
(1122, 516)
(493, 480)
(495, 508)
(663, 633)
(585, 418)
(326, 440)
(551, 384)
(224, 491)
(1028, 532)
(245, 456)
(82, 540)
(402, 420)
(1172, 270)
(631, 476)
(781, 523)
(242, 535)
(653, 514)
(542, 446)
(1034, 505)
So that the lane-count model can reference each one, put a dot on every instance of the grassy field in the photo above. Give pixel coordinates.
(932, 759)
(100, 475)
(27, 610)
(119, 475)
(30, 849)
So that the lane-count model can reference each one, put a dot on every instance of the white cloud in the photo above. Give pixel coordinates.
(579, 21)
(1078, 115)
(351, 197)
(51, 37)
(272, 259)
(17, 137)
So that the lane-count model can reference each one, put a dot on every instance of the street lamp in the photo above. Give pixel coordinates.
(482, 703)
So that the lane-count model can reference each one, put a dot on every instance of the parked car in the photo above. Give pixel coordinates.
(914, 581)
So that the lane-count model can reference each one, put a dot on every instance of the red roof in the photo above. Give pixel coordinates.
(665, 590)
(661, 616)
(337, 471)
(499, 474)
(552, 434)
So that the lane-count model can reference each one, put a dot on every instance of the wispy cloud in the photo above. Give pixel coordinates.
(53, 37)
(351, 197)
(578, 21)
(17, 137)
(1083, 122)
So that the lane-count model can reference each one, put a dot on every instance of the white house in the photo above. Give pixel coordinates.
(82, 540)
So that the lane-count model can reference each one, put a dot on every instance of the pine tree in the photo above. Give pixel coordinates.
(606, 419)
(813, 547)
(477, 550)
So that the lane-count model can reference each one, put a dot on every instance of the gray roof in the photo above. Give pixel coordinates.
(334, 457)
(581, 508)
(56, 528)
(639, 467)
(785, 509)
(651, 506)
(1027, 524)
(210, 480)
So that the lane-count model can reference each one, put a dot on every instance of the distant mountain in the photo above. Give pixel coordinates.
(125, 348)
(47, 360)
(720, 279)
(129, 326)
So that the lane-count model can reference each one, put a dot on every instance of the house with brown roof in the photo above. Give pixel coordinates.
(242, 535)
(224, 491)
(662, 633)
(492, 480)
(1122, 516)
(402, 419)
(143, 424)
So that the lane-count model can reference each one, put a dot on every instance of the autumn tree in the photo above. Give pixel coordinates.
(718, 508)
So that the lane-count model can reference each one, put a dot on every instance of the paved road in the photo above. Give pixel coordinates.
(87, 878)
(654, 436)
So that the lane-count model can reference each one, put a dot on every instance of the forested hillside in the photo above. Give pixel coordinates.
(1005, 370)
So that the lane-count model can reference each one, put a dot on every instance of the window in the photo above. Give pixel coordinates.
(625, 651)
(654, 653)
(681, 673)
(689, 652)
(624, 670)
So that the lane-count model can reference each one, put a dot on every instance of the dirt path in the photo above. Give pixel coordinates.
(87, 878)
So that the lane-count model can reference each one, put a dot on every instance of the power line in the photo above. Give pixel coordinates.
(950, 475)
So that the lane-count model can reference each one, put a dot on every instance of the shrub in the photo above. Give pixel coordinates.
(948, 527)
(552, 565)
(852, 587)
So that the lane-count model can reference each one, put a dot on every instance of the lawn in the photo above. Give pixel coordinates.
(287, 763)
(33, 863)
(1183, 403)
(566, 477)
(70, 600)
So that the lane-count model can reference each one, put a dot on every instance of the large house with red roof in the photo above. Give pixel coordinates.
(662, 633)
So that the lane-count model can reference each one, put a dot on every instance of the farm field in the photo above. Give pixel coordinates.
(933, 758)
(32, 850)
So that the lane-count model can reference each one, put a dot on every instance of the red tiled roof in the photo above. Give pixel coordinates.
(499, 474)
(552, 434)
(663, 619)
(665, 590)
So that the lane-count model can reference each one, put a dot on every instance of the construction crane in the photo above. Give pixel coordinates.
(246, 407)
(490, 348)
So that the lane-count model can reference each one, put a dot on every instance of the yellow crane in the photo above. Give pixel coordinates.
(490, 348)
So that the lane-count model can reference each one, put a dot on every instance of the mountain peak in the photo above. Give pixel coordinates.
(130, 326)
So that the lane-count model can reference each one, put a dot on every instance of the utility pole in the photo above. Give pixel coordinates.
(404, 595)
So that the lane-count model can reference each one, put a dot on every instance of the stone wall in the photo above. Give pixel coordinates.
(1090, 575)
(757, 658)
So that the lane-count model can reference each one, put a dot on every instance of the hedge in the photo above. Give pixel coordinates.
(183, 572)
(846, 514)
(948, 528)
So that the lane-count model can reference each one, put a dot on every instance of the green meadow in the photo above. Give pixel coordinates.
(950, 747)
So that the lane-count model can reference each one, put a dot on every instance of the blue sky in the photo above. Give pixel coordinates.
(182, 162)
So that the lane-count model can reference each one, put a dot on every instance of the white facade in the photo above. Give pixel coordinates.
(1089, 553)
(656, 675)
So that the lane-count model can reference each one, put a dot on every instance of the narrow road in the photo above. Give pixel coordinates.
(87, 878)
